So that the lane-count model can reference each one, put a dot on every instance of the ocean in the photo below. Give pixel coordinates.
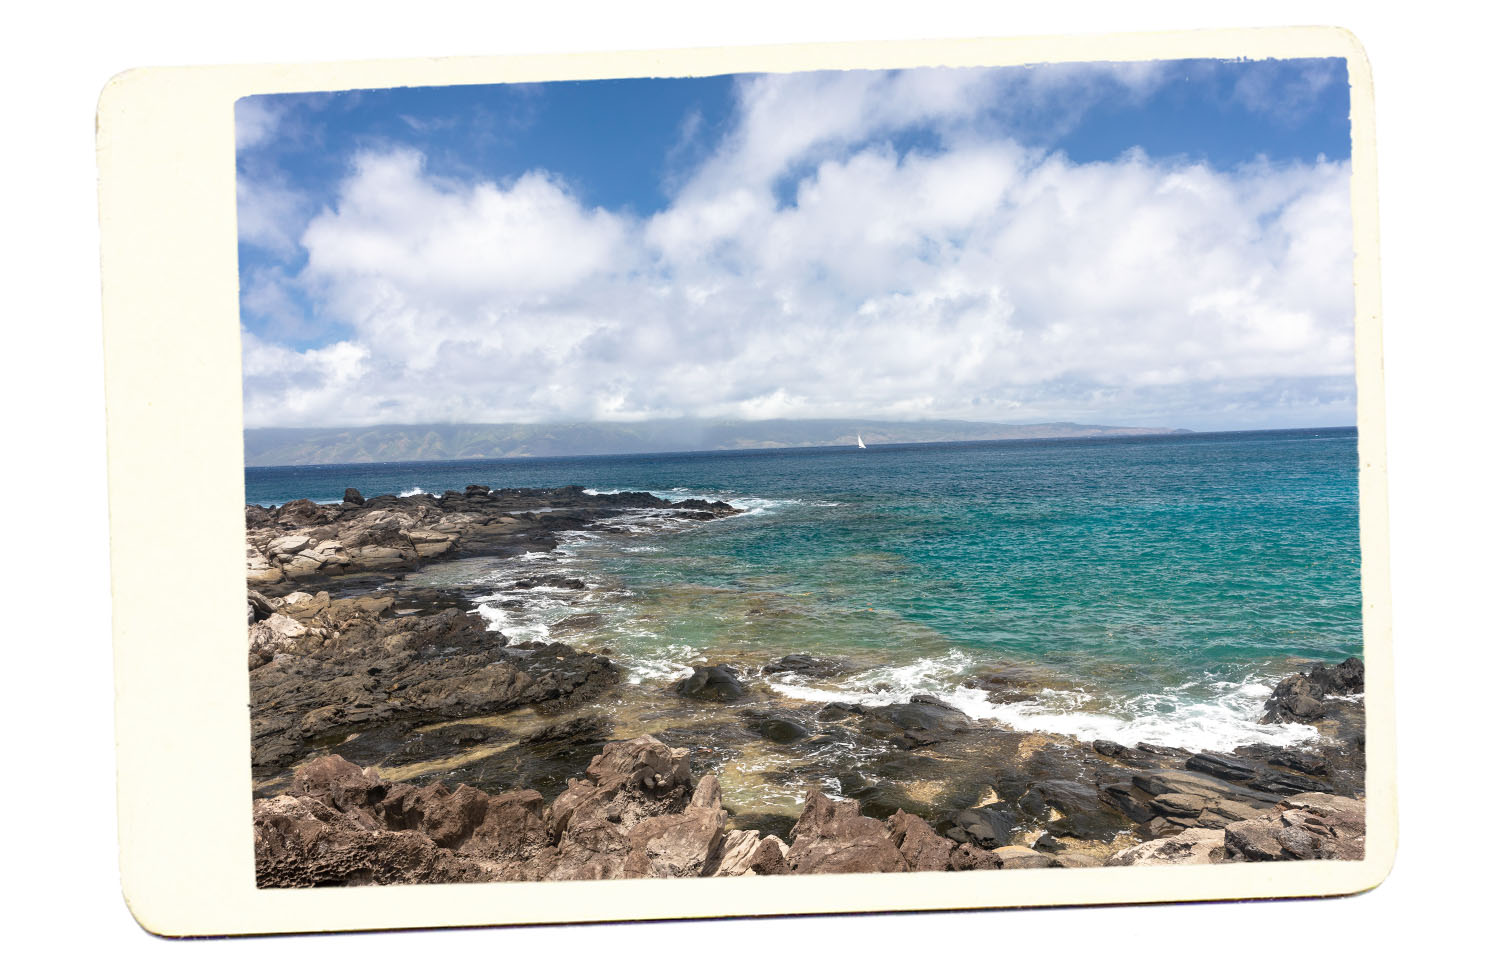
(1156, 588)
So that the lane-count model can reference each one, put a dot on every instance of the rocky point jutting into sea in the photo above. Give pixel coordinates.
(397, 737)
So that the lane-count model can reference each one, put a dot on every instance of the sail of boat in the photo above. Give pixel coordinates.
(859, 440)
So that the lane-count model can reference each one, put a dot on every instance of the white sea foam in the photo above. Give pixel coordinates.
(748, 505)
(1225, 723)
(513, 624)
(414, 491)
(670, 663)
(884, 685)
(1169, 717)
(530, 613)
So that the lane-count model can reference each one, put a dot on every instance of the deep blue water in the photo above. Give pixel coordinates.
(1165, 582)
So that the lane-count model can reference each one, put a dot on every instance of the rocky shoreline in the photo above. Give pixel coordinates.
(396, 739)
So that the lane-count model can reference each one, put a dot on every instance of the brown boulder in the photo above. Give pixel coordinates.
(967, 856)
(681, 844)
(832, 837)
(625, 784)
(919, 843)
(300, 842)
(744, 852)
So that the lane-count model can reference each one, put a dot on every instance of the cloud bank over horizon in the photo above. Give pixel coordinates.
(894, 245)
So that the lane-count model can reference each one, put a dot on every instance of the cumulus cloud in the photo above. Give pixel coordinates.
(810, 266)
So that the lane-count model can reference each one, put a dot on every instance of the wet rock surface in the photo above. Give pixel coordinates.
(717, 683)
(805, 664)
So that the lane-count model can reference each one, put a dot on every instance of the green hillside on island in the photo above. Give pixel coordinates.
(441, 442)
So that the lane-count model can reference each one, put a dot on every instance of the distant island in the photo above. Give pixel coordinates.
(442, 442)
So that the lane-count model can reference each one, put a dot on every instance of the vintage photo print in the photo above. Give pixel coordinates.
(763, 481)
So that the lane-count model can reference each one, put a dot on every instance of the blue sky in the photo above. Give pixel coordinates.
(1158, 243)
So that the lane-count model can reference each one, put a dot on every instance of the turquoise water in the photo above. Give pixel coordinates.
(1156, 586)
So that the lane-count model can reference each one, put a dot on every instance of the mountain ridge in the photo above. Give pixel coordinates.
(436, 442)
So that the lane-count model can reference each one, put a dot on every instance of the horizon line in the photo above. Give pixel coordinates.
(1176, 433)
(706, 421)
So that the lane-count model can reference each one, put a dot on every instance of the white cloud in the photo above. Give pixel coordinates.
(270, 215)
(396, 226)
(1283, 90)
(255, 121)
(975, 278)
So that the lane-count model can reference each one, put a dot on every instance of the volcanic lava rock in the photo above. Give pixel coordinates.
(1301, 697)
(924, 720)
(805, 664)
(324, 668)
(717, 683)
(776, 727)
(986, 828)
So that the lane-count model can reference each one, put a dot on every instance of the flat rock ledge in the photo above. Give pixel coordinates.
(305, 541)
(638, 812)
(1313, 826)
(322, 669)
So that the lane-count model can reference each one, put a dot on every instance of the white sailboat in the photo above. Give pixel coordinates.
(859, 440)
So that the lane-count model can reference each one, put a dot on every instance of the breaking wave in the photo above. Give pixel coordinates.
(1169, 717)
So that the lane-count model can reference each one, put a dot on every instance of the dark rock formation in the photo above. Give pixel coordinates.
(637, 812)
(1315, 826)
(341, 826)
(302, 541)
(1074, 809)
(776, 727)
(258, 607)
(1171, 800)
(920, 845)
(985, 827)
(1256, 776)
(322, 668)
(924, 720)
(805, 664)
(966, 856)
(717, 683)
(1300, 697)
(832, 837)
(356, 664)
(556, 580)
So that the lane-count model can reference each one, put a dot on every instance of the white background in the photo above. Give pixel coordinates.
(1434, 93)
